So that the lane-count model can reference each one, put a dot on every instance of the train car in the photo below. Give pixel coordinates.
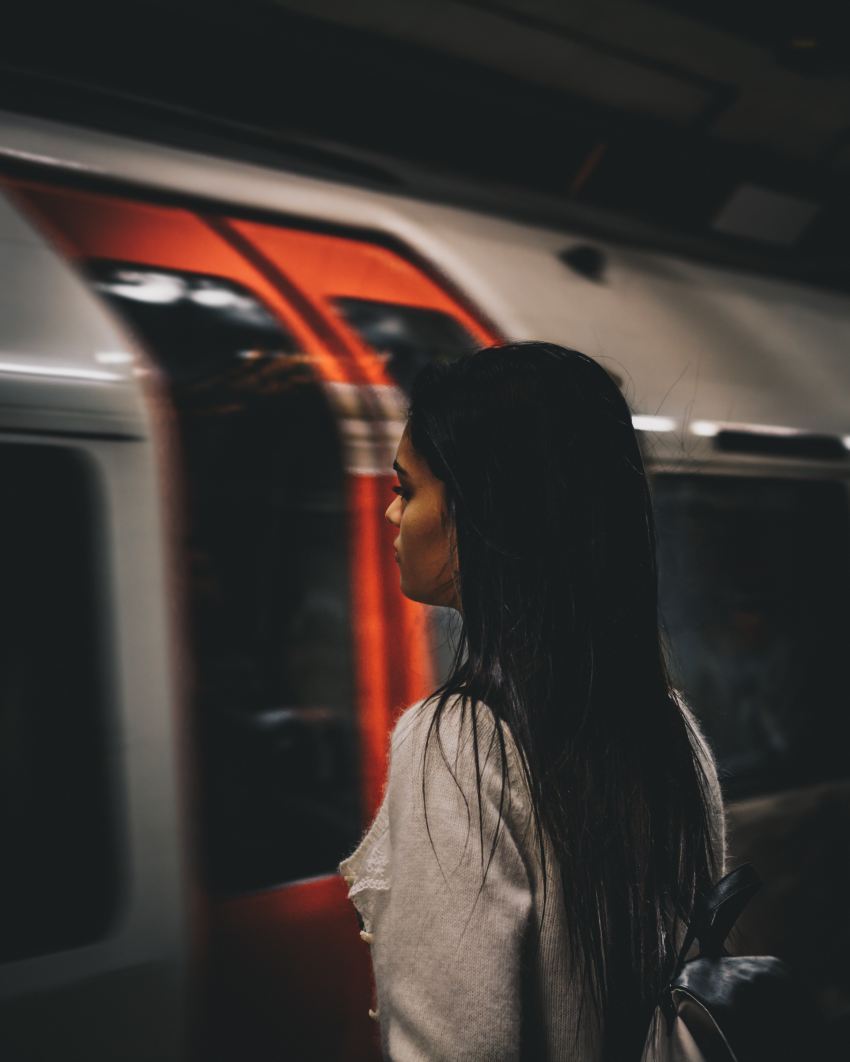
(203, 372)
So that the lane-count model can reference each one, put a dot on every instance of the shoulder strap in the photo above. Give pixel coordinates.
(717, 912)
(713, 918)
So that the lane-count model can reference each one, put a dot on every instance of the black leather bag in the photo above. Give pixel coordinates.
(723, 1008)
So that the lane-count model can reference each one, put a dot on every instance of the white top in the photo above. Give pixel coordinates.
(454, 977)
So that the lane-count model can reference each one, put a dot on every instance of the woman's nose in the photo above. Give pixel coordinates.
(387, 516)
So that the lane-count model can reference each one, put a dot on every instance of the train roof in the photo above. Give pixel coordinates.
(691, 342)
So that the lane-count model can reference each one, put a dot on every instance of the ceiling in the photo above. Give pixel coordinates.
(721, 129)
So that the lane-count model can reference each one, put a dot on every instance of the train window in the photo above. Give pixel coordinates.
(408, 336)
(198, 325)
(59, 884)
(754, 580)
(266, 554)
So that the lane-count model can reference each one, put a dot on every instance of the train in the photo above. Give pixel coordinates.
(204, 368)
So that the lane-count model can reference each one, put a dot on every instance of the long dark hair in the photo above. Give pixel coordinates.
(554, 553)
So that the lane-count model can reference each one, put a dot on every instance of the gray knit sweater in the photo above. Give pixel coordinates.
(455, 976)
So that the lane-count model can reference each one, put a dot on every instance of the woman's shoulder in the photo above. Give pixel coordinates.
(462, 723)
(459, 742)
(698, 739)
(450, 789)
(714, 793)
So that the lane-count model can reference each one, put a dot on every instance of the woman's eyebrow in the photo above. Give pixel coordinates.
(401, 471)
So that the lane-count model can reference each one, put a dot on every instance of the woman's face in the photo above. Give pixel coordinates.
(422, 546)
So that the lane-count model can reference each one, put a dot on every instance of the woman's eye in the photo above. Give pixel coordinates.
(402, 492)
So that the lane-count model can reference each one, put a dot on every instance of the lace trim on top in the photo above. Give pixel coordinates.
(368, 867)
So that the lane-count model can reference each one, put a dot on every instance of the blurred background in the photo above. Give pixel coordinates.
(230, 235)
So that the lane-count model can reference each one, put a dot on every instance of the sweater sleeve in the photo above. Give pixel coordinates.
(449, 962)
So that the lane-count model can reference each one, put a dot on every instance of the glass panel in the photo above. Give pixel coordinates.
(754, 588)
(199, 326)
(59, 880)
(408, 336)
(266, 552)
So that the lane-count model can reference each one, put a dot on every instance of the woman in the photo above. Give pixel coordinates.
(551, 810)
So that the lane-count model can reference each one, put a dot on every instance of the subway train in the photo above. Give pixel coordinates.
(204, 365)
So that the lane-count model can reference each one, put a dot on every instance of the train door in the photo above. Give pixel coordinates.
(94, 934)
(283, 355)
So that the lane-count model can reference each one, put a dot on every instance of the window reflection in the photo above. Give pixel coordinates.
(407, 336)
(56, 801)
(266, 552)
(754, 589)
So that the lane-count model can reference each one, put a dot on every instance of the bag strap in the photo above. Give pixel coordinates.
(713, 918)
(717, 912)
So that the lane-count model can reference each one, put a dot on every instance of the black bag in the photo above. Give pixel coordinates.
(722, 1008)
